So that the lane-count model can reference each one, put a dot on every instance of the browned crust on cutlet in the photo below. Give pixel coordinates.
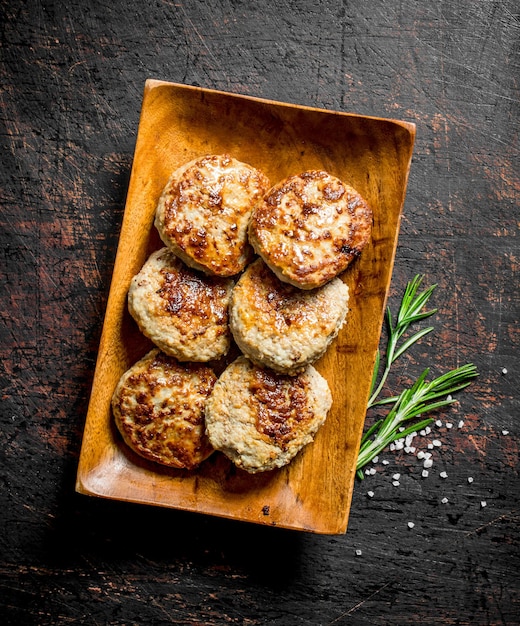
(280, 326)
(184, 312)
(204, 211)
(260, 419)
(310, 227)
(280, 404)
(158, 407)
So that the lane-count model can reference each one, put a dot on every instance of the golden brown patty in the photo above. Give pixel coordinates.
(184, 312)
(310, 227)
(260, 419)
(204, 211)
(158, 407)
(280, 326)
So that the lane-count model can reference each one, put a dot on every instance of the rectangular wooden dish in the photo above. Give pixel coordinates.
(179, 123)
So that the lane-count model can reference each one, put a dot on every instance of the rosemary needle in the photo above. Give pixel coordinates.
(423, 396)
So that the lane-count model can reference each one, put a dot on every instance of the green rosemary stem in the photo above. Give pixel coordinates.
(422, 397)
(410, 311)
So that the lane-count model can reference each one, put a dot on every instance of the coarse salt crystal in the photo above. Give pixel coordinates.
(408, 440)
(370, 494)
(385, 462)
(375, 459)
(505, 432)
(372, 471)
(449, 425)
(483, 503)
(396, 476)
(358, 552)
(427, 455)
(449, 398)
(411, 524)
(425, 473)
(422, 433)
(396, 483)
(461, 423)
(367, 472)
(410, 449)
(470, 479)
(392, 447)
(438, 423)
(443, 475)
(430, 446)
(420, 454)
(504, 370)
(445, 500)
(428, 463)
(437, 443)
(428, 430)
(401, 428)
(399, 445)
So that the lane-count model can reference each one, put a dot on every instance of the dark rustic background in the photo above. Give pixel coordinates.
(71, 79)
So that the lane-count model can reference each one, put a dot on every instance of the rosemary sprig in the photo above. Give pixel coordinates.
(422, 397)
(410, 311)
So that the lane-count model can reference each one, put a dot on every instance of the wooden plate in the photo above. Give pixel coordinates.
(179, 123)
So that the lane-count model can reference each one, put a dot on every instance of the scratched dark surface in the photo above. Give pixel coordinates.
(71, 83)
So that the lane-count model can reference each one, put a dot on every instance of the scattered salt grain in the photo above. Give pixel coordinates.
(445, 500)
(461, 423)
(375, 459)
(385, 462)
(449, 425)
(470, 479)
(370, 494)
(428, 463)
(392, 447)
(430, 446)
(443, 475)
(505, 432)
(427, 455)
(367, 472)
(411, 524)
(438, 423)
(396, 483)
(425, 473)
(408, 440)
(372, 471)
(358, 552)
(410, 449)
(422, 433)
(396, 476)
(420, 455)
(504, 370)
(401, 428)
(449, 398)
(399, 445)
(437, 443)
(483, 503)
(428, 430)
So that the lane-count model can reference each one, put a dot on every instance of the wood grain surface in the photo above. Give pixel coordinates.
(72, 77)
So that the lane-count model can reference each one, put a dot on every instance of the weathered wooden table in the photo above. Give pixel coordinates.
(72, 78)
